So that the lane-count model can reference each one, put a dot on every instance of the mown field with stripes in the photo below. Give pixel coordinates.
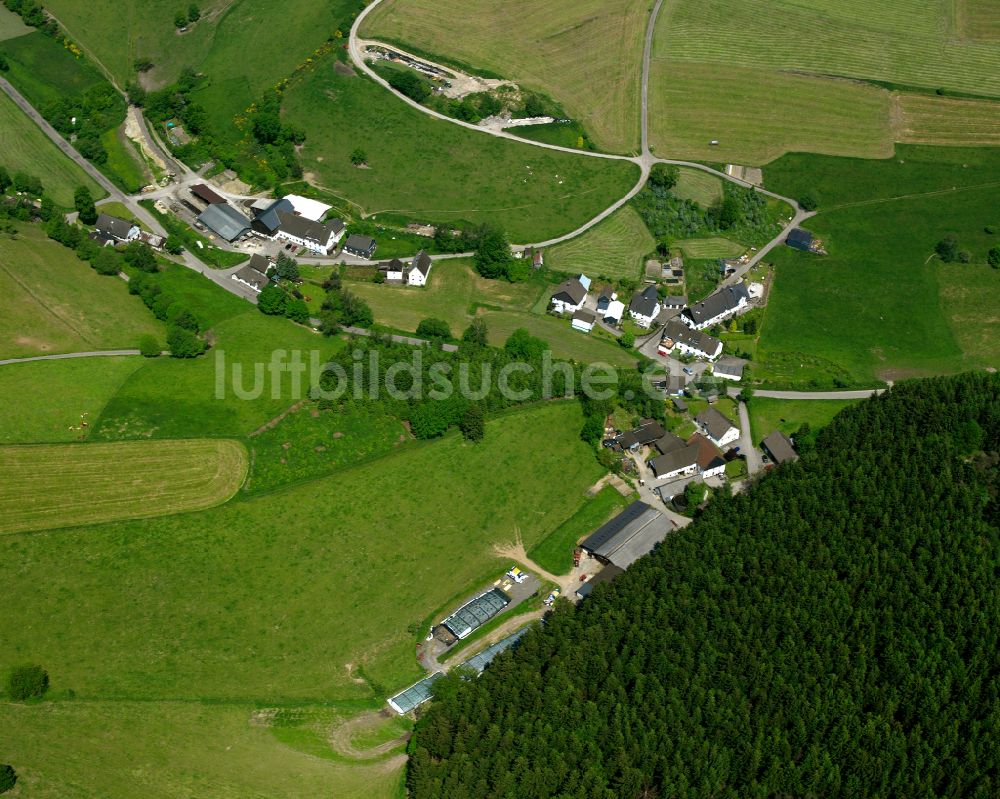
(928, 119)
(49, 486)
(585, 54)
(615, 248)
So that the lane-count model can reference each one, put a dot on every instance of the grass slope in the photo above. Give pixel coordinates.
(757, 114)
(698, 186)
(714, 247)
(768, 415)
(928, 119)
(93, 750)
(430, 169)
(554, 553)
(979, 20)
(24, 148)
(56, 396)
(52, 302)
(65, 485)
(586, 55)
(615, 248)
(274, 596)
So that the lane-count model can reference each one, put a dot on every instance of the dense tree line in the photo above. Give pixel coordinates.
(832, 632)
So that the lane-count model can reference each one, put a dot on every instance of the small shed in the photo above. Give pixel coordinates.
(779, 448)
(799, 239)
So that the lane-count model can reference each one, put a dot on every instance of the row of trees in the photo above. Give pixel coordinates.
(831, 632)
(949, 251)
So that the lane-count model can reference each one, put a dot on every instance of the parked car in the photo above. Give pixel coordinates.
(688, 370)
(552, 597)
(517, 575)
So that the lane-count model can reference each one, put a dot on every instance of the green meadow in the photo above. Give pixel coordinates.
(432, 170)
(768, 415)
(554, 553)
(615, 248)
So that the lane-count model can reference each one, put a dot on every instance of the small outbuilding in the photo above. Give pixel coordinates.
(584, 320)
(800, 239)
(779, 447)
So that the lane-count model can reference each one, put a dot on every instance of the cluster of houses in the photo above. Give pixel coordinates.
(414, 273)
(110, 231)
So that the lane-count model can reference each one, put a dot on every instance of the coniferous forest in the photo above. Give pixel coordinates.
(832, 632)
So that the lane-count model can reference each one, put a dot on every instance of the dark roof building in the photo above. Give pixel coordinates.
(669, 443)
(677, 461)
(729, 367)
(116, 228)
(605, 575)
(674, 302)
(363, 246)
(473, 614)
(266, 220)
(254, 273)
(421, 263)
(799, 239)
(569, 292)
(716, 306)
(206, 194)
(317, 233)
(630, 535)
(225, 221)
(710, 458)
(648, 431)
(779, 447)
(645, 302)
(714, 423)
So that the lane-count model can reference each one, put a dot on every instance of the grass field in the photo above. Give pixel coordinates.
(979, 20)
(49, 486)
(118, 750)
(11, 25)
(433, 170)
(873, 307)
(554, 553)
(615, 248)
(454, 293)
(125, 162)
(768, 415)
(270, 598)
(585, 55)
(714, 247)
(758, 114)
(24, 148)
(970, 302)
(928, 119)
(55, 396)
(698, 186)
(52, 302)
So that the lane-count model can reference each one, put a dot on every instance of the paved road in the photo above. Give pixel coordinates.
(64, 356)
(811, 395)
(754, 462)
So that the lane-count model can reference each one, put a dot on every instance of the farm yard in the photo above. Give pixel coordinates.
(48, 486)
(24, 148)
(52, 302)
(432, 170)
(614, 248)
(585, 55)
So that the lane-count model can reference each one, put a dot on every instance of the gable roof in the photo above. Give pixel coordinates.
(709, 455)
(207, 194)
(395, 265)
(799, 239)
(674, 301)
(682, 334)
(583, 315)
(643, 304)
(225, 221)
(571, 291)
(669, 443)
(260, 263)
(779, 446)
(302, 228)
(714, 422)
(252, 276)
(422, 263)
(360, 243)
(615, 310)
(114, 226)
(648, 431)
(630, 535)
(683, 458)
(729, 365)
(724, 300)
(266, 214)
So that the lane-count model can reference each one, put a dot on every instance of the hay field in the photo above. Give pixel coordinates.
(929, 119)
(758, 115)
(979, 20)
(11, 25)
(615, 248)
(48, 486)
(586, 55)
(698, 186)
(713, 247)
(24, 148)
(52, 302)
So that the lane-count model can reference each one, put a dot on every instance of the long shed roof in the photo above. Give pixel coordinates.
(630, 535)
(476, 612)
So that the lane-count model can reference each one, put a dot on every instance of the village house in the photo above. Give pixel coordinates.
(584, 320)
(362, 246)
(778, 447)
(719, 430)
(676, 463)
(254, 273)
(297, 219)
(729, 368)
(117, 229)
(645, 306)
(723, 304)
(569, 295)
(686, 341)
(711, 463)
(412, 274)
(605, 296)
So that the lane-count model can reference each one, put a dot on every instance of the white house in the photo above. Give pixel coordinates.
(321, 238)
(710, 460)
(254, 274)
(716, 427)
(584, 320)
(417, 272)
(688, 342)
(569, 295)
(113, 227)
(645, 306)
(727, 302)
(678, 463)
(614, 313)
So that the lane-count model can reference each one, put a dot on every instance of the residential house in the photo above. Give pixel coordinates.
(362, 246)
(628, 536)
(686, 341)
(671, 385)
(206, 194)
(718, 428)
(779, 448)
(254, 273)
(225, 221)
(318, 237)
(723, 304)
(116, 228)
(648, 431)
(584, 320)
(605, 296)
(645, 306)
(615, 312)
(419, 270)
(676, 463)
(393, 270)
(569, 296)
(711, 463)
(729, 367)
